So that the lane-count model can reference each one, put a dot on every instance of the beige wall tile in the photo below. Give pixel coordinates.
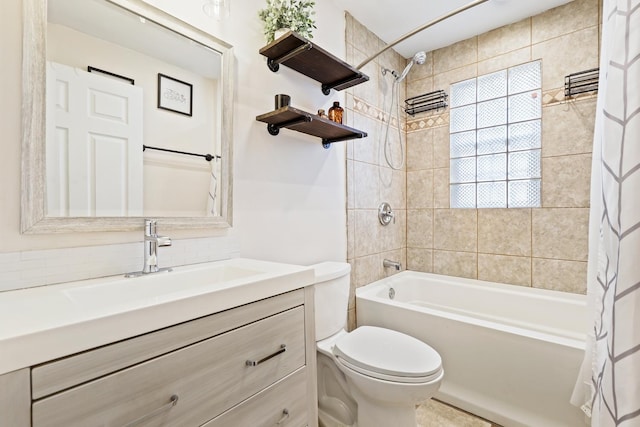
(349, 105)
(456, 55)
(419, 259)
(566, 276)
(349, 51)
(367, 239)
(441, 192)
(567, 54)
(421, 71)
(441, 147)
(442, 81)
(419, 87)
(458, 264)
(363, 39)
(391, 60)
(505, 269)
(573, 16)
(395, 148)
(366, 178)
(567, 128)
(366, 149)
(350, 185)
(367, 91)
(504, 231)
(351, 229)
(348, 27)
(455, 229)
(352, 284)
(420, 189)
(393, 188)
(566, 181)
(368, 269)
(560, 233)
(506, 60)
(352, 321)
(420, 228)
(567, 41)
(504, 39)
(420, 150)
(394, 235)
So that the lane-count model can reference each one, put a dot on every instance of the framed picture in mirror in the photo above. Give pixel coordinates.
(175, 95)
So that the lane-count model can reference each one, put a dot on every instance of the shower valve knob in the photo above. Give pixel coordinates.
(385, 214)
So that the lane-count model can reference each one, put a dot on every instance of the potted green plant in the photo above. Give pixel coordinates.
(295, 15)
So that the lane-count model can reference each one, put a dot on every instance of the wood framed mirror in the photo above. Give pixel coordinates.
(172, 83)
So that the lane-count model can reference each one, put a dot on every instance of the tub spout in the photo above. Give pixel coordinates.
(388, 263)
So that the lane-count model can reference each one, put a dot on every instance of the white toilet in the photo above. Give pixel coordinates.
(371, 376)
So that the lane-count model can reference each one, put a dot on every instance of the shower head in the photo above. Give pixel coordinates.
(419, 58)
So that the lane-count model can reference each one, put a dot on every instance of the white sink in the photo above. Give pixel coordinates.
(162, 286)
(44, 323)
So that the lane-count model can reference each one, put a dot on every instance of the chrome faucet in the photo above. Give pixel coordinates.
(388, 263)
(151, 244)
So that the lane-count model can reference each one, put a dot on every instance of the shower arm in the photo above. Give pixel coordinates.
(421, 28)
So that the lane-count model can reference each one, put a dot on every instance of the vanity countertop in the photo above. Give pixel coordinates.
(44, 323)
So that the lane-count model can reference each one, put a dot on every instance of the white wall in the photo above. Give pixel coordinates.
(289, 192)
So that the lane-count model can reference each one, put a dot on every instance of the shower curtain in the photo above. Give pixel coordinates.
(609, 386)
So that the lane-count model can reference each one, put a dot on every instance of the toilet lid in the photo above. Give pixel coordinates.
(388, 352)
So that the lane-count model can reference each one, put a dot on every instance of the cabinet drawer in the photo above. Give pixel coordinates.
(81, 368)
(208, 377)
(284, 404)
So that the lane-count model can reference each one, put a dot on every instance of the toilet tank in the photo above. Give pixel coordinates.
(331, 296)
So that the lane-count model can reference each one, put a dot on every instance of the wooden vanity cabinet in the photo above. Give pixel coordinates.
(252, 365)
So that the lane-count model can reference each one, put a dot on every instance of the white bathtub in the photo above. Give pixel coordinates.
(511, 354)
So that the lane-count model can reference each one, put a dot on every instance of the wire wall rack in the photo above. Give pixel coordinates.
(581, 82)
(426, 102)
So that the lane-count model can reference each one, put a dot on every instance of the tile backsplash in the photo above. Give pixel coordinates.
(542, 247)
(44, 267)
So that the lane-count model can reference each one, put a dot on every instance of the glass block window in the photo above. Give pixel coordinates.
(495, 139)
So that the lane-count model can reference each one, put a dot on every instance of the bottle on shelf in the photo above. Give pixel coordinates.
(335, 112)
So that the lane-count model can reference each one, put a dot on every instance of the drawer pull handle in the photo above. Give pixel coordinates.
(285, 415)
(283, 348)
(173, 401)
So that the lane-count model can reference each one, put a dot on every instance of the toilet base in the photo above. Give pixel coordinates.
(375, 414)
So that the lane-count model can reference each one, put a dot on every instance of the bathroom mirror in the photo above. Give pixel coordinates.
(153, 136)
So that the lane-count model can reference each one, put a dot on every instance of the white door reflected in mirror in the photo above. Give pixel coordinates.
(94, 144)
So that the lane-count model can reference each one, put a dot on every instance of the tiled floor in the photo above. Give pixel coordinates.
(437, 414)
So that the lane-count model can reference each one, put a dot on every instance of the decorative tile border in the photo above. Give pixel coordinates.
(371, 111)
(434, 119)
(429, 122)
(556, 96)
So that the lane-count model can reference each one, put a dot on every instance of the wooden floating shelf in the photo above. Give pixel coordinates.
(309, 59)
(310, 124)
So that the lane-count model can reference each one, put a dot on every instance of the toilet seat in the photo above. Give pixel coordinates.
(388, 355)
(392, 378)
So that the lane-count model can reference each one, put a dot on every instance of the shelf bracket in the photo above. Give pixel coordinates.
(274, 64)
(274, 128)
(326, 142)
(326, 88)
